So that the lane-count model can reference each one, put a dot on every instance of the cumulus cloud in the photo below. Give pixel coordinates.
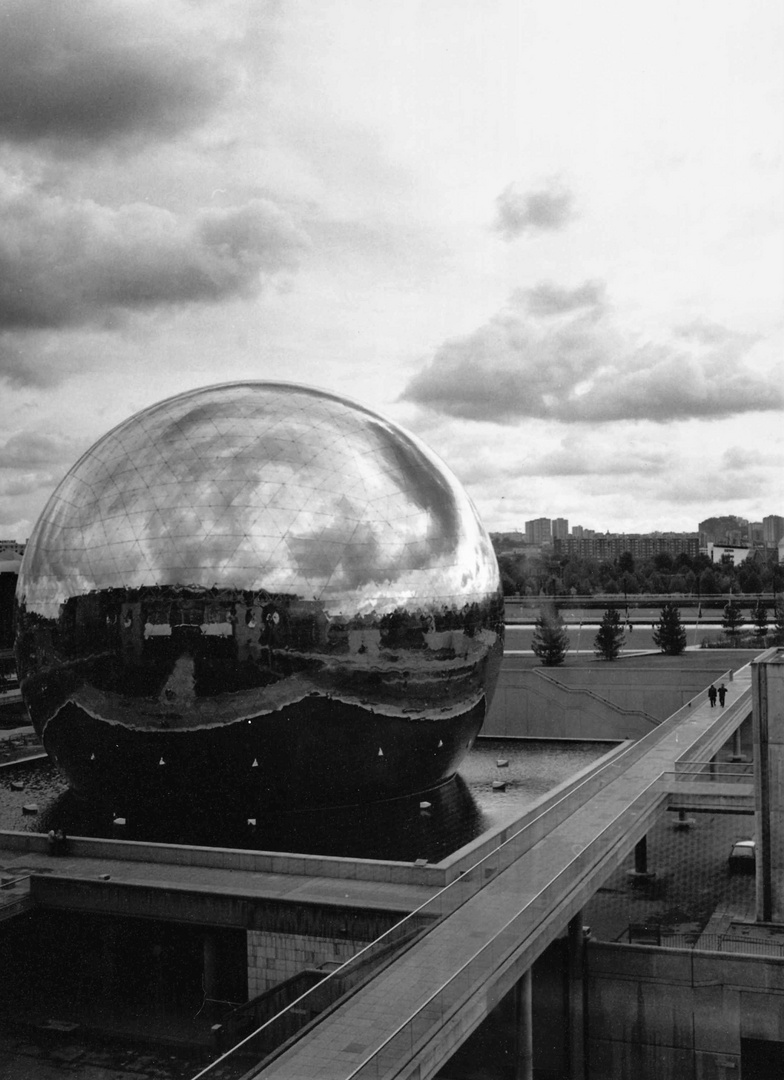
(714, 484)
(21, 367)
(581, 459)
(520, 211)
(742, 457)
(549, 299)
(32, 463)
(24, 484)
(104, 69)
(66, 263)
(33, 450)
(548, 356)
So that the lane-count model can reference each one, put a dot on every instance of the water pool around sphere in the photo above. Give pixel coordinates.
(461, 810)
(272, 591)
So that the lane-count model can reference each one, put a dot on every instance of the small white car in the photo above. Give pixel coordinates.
(742, 856)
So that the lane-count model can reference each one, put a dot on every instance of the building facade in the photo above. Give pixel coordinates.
(728, 553)
(539, 531)
(772, 529)
(640, 547)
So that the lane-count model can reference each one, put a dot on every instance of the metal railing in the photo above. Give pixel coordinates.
(725, 772)
(662, 936)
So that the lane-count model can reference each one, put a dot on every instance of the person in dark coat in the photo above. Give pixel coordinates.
(722, 694)
(712, 694)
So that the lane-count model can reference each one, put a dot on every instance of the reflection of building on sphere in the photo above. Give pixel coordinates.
(277, 594)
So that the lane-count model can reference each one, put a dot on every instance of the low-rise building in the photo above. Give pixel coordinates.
(612, 546)
(732, 553)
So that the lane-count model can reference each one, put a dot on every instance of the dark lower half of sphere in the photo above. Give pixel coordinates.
(317, 753)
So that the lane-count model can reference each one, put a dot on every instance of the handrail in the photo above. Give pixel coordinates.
(597, 697)
(622, 713)
(671, 781)
(463, 888)
(687, 770)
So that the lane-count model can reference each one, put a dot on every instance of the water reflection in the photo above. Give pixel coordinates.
(400, 829)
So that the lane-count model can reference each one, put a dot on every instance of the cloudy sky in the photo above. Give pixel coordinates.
(544, 235)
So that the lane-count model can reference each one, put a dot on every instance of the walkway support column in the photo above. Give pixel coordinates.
(641, 874)
(576, 997)
(210, 969)
(737, 750)
(524, 1028)
(641, 856)
(767, 683)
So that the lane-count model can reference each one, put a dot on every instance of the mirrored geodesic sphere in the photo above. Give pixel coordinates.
(263, 593)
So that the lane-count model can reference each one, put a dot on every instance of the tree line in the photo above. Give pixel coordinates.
(662, 574)
(550, 642)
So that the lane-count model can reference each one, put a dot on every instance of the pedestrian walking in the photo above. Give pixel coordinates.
(712, 692)
(722, 694)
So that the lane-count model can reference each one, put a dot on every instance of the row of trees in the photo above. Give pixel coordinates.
(550, 641)
(527, 575)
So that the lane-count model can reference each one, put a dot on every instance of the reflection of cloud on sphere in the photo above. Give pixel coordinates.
(260, 486)
(259, 550)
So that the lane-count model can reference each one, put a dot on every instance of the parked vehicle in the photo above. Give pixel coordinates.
(743, 857)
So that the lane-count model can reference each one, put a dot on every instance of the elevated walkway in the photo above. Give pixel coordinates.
(410, 1019)
(711, 787)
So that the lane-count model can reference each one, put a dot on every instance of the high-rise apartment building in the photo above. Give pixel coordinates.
(728, 529)
(539, 531)
(772, 530)
(560, 528)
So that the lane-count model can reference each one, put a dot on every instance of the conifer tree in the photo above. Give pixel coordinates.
(669, 633)
(733, 619)
(610, 638)
(550, 641)
(759, 614)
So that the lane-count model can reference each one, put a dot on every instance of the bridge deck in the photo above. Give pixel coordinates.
(412, 1017)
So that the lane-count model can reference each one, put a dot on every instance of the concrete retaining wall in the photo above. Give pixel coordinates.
(596, 701)
(275, 957)
(666, 1014)
(230, 859)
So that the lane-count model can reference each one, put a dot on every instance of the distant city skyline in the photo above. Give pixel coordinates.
(769, 530)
